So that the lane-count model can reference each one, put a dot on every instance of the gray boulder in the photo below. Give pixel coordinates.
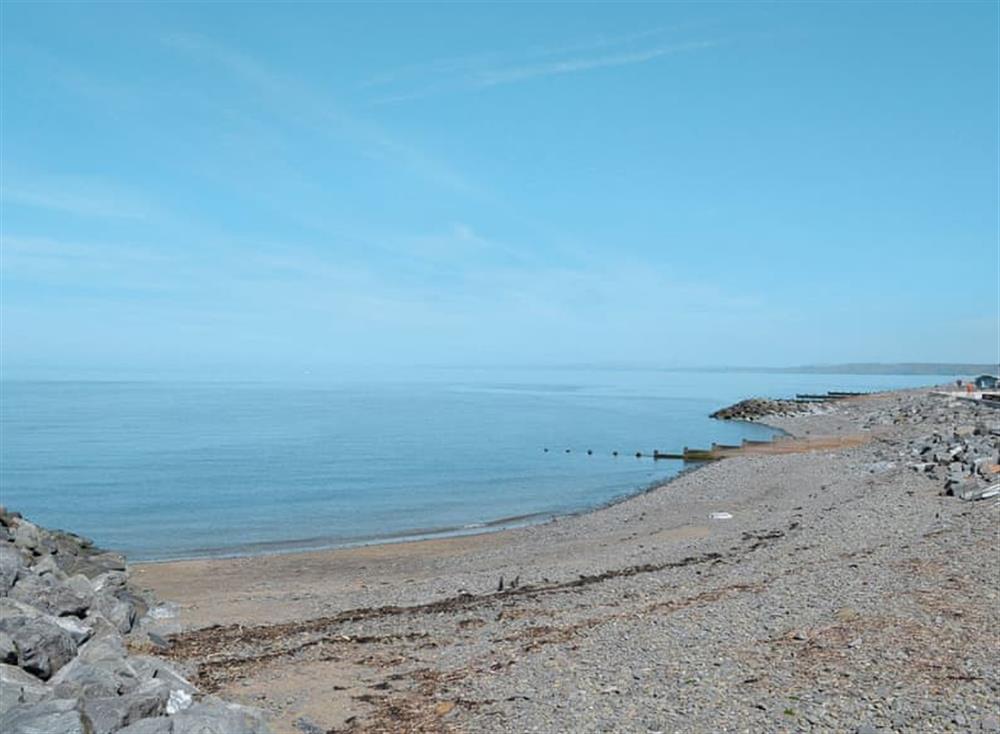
(77, 629)
(11, 563)
(81, 585)
(46, 566)
(50, 595)
(94, 680)
(42, 646)
(18, 687)
(59, 716)
(8, 653)
(27, 535)
(150, 668)
(214, 716)
(111, 713)
(107, 646)
(93, 565)
(154, 725)
(120, 613)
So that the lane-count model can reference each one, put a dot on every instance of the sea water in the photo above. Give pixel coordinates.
(166, 469)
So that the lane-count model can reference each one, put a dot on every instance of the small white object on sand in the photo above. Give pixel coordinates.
(721, 516)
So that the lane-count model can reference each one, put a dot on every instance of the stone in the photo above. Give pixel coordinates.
(120, 613)
(50, 595)
(8, 652)
(93, 680)
(27, 535)
(108, 646)
(80, 584)
(110, 581)
(46, 566)
(93, 565)
(110, 713)
(59, 716)
(78, 630)
(149, 668)
(42, 646)
(153, 725)
(18, 687)
(217, 717)
(11, 563)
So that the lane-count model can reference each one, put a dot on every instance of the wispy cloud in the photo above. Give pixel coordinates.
(79, 196)
(570, 66)
(479, 71)
(315, 109)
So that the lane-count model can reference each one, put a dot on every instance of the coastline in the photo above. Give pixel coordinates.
(491, 527)
(619, 618)
(173, 578)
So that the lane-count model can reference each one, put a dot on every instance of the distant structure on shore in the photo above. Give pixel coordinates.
(987, 382)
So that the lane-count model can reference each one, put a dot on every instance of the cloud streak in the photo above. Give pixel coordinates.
(570, 66)
(77, 196)
(313, 109)
(481, 71)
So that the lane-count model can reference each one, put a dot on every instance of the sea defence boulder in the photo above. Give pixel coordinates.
(966, 459)
(755, 408)
(67, 617)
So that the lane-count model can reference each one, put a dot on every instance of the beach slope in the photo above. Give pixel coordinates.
(844, 592)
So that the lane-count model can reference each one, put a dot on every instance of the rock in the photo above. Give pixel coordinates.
(11, 563)
(760, 407)
(50, 595)
(105, 678)
(120, 613)
(18, 687)
(217, 717)
(59, 716)
(107, 646)
(64, 665)
(79, 631)
(8, 653)
(93, 565)
(110, 581)
(42, 646)
(990, 723)
(154, 725)
(150, 668)
(27, 535)
(46, 566)
(111, 713)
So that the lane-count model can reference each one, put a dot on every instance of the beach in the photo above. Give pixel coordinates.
(839, 590)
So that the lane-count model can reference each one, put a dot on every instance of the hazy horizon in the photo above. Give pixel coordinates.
(280, 189)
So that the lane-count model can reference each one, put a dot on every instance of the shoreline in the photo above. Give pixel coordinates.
(756, 586)
(492, 527)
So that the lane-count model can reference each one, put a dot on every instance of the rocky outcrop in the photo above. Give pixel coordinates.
(755, 408)
(67, 617)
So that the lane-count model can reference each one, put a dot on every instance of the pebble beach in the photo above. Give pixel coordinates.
(846, 592)
(848, 582)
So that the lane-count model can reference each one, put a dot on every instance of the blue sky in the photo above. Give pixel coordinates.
(276, 187)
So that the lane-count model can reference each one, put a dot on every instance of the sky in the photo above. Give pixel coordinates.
(281, 188)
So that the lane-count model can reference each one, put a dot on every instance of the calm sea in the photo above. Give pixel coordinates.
(183, 469)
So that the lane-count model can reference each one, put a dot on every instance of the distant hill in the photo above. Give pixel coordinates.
(898, 368)
(866, 368)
